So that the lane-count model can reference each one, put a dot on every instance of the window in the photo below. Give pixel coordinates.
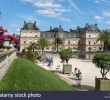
(79, 43)
(89, 36)
(94, 35)
(89, 42)
(100, 48)
(35, 35)
(30, 41)
(94, 42)
(74, 42)
(94, 48)
(89, 48)
(68, 42)
(24, 42)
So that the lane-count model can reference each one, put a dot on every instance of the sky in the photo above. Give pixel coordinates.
(68, 13)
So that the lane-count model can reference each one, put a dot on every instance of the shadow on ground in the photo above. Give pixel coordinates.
(87, 61)
(86, 88)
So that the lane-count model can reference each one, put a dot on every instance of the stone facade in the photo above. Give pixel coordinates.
(29, 34)
(80, 39)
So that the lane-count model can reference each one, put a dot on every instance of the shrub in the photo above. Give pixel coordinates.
(102, 61)
(31, 56)
(66, 54)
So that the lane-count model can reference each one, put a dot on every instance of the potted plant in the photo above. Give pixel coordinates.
(102, 61)
(65, 56)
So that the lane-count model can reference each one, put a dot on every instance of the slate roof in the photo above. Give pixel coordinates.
(30, 26)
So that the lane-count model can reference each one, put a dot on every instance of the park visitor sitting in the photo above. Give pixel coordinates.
(74, 73)
(78, 78)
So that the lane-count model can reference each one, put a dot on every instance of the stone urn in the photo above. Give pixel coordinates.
(6, 43)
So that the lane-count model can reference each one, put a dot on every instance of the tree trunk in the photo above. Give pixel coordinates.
(57, 47)
(66, 61)
(103, 73)
(106, 46)
(103, 76)
(42, 51)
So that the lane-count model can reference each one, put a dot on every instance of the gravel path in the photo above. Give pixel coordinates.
(88, 69)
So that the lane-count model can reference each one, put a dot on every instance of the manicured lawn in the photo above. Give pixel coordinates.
(25, 75)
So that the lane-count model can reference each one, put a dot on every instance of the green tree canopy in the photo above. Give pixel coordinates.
(58, 41)
(31, 56)
(32, 46)
(66, 54)
(42, 43)
(102, 61)
(105, 38)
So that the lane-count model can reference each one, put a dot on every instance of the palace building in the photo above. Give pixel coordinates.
(81, 39)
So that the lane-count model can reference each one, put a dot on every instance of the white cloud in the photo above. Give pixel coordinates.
(48, 8)
(107, 14)
(47, 5)
(98, 17)
(107, 22)
(48, 13)
(100, 1)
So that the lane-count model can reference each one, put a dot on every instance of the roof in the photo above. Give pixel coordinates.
(29, 26)
(87, 28)
(91, 28)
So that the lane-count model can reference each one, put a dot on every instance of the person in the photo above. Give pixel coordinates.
(79, 78)
(52, 60)
(74, 73)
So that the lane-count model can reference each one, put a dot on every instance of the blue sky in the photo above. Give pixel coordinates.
(68, 13)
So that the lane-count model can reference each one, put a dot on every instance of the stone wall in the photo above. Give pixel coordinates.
(6, 58)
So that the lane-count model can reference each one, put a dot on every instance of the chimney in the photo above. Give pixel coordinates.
(34, 22)
(50, 28)
(87, 24)
(96, 25)
(60, 26)
(24, 22)
(77, 27)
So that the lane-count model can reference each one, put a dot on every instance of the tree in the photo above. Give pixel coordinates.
(66, 54)
(105, 38)
(42, 43)
(31, 56)
(102, 61)
(33, 46)
(58, 41)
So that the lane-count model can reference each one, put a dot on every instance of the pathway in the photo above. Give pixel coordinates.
(88, 69)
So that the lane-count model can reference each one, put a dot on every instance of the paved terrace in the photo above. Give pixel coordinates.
(88, 69)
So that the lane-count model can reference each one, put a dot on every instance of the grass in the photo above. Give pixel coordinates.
(25, 75)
